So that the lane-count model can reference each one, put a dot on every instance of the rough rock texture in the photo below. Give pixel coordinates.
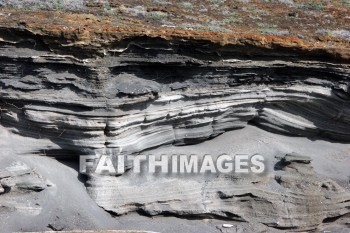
(123, 91)
(17, 179)
(154, 92)
(65, 205)
(292, 197)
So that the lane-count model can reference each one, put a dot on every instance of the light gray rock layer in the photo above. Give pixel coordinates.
(292, 197)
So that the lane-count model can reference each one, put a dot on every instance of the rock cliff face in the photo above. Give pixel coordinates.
(125, 92)
(151, 92)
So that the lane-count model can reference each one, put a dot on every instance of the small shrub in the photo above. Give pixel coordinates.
(345, 3)
(158, 15)
(43, 4)
(265, 25)
(187, 5)
(312, 6)
(219, 2)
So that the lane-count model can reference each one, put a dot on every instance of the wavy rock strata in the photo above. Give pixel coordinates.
(139, 92)
(159, 92)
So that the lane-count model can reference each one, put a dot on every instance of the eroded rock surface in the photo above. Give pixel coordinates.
(17, 182)
(292, 197)
(156, 92)
(120, 93)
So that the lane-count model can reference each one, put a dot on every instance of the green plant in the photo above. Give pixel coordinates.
(187, 5)
(218, 1)
(157, 15)
(265, 25)
(59, 5)
(233, 18)
(344, 3)
(27, 8)
(318, 6)
(13, 7)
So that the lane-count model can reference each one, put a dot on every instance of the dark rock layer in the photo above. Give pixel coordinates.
(156, 93)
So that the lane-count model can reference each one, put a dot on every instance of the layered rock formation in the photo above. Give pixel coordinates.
(292, 197)
(155, 92)
(123, 92)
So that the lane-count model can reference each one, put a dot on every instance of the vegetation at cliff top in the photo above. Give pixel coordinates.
(272, 17)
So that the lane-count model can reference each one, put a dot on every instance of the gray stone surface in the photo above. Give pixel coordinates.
(151, 93)
(65, 203)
